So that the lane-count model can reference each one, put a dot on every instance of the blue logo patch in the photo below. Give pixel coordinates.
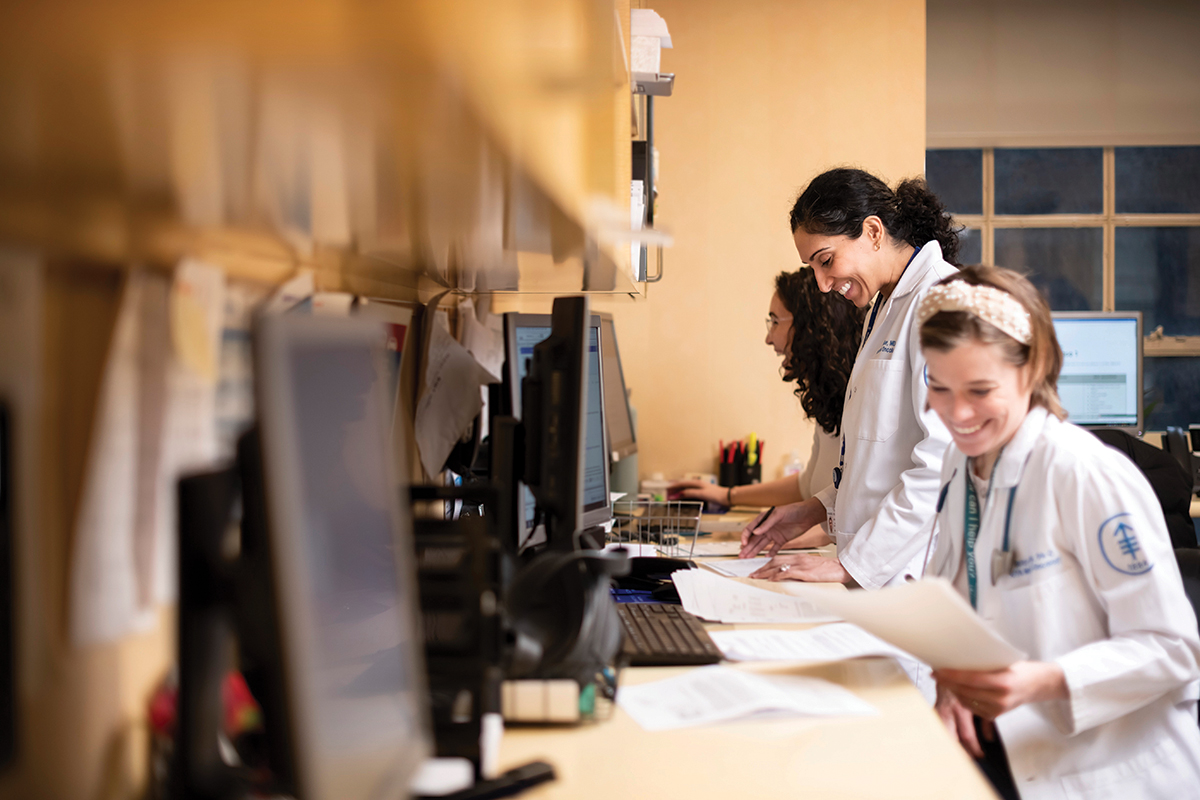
(1120, 546)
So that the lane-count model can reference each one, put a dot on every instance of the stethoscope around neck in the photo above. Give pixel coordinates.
(1003, 558)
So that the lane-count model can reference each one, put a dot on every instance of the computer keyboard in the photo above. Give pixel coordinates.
(661, 635)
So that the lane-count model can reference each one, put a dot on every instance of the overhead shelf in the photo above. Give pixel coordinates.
(419, 137)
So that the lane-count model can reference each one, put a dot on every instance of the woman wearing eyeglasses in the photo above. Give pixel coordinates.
(817, 335)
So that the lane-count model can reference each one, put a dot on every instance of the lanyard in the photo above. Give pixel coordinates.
(837, 471)
(871, 322)
(1001, 559)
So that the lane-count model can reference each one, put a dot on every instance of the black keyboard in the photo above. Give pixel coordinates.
(664, 635)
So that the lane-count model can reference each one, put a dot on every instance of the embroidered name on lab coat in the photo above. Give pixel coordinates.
(1120, 546)
(888, 347)
(1038, 561)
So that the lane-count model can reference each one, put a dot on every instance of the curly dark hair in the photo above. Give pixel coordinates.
(837, 202)
(826, 331)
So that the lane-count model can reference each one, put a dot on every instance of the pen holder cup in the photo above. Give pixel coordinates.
(750, 473)
(728, 475)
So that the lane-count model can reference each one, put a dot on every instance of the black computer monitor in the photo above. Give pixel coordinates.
(1101, 380)
(522, 332)
(618, 418)
(340, 554)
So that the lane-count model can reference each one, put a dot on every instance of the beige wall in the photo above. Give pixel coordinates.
(1073, 72)
(768, 93)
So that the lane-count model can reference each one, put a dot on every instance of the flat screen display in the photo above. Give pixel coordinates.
(622, 440)
(1101, 379)
(595, 472)
(342, 549)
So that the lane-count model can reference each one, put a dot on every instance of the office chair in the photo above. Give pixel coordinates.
(1172, 486)
(1177, 442)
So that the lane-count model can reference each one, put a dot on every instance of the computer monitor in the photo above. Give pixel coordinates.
(1101, 380)
(340, 552)
(521, 333)
(622, 436)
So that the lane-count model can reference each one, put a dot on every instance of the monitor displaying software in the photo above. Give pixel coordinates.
(523, 331)
(1101, 379)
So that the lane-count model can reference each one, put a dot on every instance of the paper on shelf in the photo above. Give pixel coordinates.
(190, 440)
(719, 599)
(927, 618)
(451, 399)
(817, 645)
(104, 580)
(722, 694)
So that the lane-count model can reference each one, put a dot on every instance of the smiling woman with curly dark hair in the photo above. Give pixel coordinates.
(817, 335)
(825, 332)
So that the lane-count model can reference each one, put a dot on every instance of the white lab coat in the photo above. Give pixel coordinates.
(881, 510)
(1105, 603)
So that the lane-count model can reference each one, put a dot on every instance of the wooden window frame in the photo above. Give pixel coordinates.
(1155, 345)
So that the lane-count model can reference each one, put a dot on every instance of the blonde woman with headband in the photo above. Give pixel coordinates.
(1060, 543)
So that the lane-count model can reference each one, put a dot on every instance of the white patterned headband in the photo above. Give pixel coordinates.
(993, 306)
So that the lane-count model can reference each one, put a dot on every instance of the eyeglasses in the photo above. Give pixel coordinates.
(773, 320)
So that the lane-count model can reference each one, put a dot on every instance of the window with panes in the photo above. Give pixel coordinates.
(1095, 228)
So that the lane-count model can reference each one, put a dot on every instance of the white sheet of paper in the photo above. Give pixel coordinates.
(717, 599)
(483, 342)
(104, 602)
(190, 437)
(741, 568)
(451, 399)
(824, 643)
(927, 618)
(722, 694)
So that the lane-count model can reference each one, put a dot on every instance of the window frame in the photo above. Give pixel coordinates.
(1155, 344)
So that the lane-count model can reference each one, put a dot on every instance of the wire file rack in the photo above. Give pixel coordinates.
(670, 526)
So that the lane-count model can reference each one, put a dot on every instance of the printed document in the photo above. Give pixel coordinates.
(817, 645)
(718, 599)
(722, 694)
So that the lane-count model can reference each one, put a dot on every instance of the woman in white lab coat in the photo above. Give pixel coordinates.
(818, 336)
(1060, 544)
(869, 243)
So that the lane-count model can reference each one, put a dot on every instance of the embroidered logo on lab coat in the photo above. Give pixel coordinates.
(1121, 548)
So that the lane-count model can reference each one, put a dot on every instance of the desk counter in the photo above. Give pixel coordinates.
(905, 752)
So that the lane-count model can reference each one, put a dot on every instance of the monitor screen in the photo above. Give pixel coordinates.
(622, 439)
(523, 331)
(1101, 380)
(342, 554)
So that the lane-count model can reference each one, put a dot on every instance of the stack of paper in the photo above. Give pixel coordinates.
(718, 599)
(722, 694)
(822, 644)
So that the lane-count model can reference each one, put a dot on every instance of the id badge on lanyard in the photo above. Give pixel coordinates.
(1002, 559)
